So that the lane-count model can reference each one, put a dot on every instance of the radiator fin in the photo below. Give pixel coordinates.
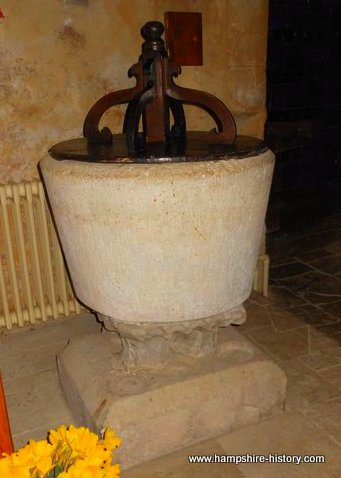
(34, 284)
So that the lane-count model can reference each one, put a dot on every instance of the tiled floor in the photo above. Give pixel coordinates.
(298, 325)
(28, 365)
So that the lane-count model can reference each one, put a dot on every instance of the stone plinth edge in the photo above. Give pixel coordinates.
(158, 412)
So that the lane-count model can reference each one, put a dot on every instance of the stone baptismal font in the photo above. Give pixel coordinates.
(161, 229)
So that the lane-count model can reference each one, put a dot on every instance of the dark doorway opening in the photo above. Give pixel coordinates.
(304, 111)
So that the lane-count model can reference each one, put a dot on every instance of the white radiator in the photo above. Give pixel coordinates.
(34, 284)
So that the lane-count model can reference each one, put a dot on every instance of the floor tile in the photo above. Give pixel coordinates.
(316, 287)
(321, 358)
(289, 433)
(333, 309)
(284, 297)
(336, 247)
(308, 382)
(281, 345)
(54, 331)
(293, 244)
(297, 284)
(332, 330)
(27, 351)
(39, 405)
(20, 364)
(329, 264)
(28, 363)
(288, 270)
(308, 256)
(282, 319)
(295, 401)
(328, 418)
(318, 341)
(257, 317)
(327, 235)
(259, 299)
(26, 384)
(176, 465)
(313, 315)
(332, 375)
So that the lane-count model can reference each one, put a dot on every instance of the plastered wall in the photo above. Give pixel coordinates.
(56, 60)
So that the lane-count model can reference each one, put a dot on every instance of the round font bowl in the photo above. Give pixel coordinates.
(160, 242)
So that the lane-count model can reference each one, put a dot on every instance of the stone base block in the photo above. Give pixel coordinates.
(157, 412)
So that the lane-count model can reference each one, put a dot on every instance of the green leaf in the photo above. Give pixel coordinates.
(58, 470)
(54, 472)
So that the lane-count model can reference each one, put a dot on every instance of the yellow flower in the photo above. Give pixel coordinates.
(72, 443)
(98, 458)
(36, 455)
(77, 452)
(58, 435)
(112, 471)
(10, 470)
(81, 441)
(84, 469)
(110, 439)
(22, 458)
(88, 469)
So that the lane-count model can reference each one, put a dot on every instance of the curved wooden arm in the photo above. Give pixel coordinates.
(91, 123)
(226, 126)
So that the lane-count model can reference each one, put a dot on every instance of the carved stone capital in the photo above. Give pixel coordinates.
(153, 344)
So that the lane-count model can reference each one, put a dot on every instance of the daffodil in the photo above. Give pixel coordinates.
(9, 470)
(58, 435)
(84, 469)
(36, 455)
(102, 455)
(81, 441)
(112, 471)
(110, 440)
(68, 453)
